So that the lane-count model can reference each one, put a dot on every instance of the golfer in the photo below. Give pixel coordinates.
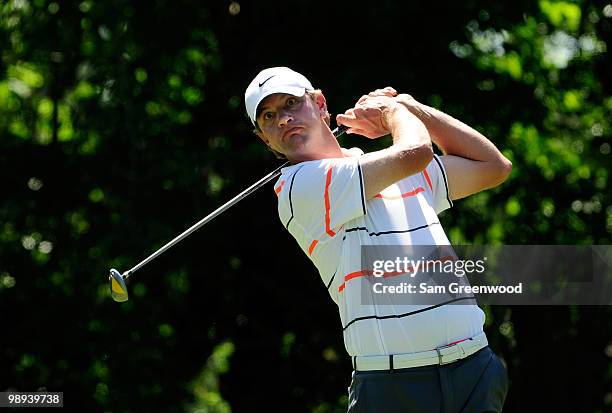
(334, 201)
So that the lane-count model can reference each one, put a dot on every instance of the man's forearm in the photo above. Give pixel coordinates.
(407, 130)
(452, 136)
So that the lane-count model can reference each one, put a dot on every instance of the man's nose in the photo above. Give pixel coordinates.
(284, 119)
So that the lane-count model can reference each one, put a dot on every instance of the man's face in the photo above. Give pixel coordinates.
(290, 124)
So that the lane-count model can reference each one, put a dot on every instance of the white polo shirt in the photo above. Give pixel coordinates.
(322, 204)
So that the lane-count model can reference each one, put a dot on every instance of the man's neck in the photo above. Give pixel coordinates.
(329, 148)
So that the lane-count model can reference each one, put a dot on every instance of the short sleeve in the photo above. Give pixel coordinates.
(435, 175)
(327, 193)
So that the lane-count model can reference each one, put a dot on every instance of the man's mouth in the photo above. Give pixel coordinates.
(290, 131)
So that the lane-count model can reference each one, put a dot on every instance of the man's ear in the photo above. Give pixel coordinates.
(321, 102)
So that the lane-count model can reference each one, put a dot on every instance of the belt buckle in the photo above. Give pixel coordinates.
(448, 346)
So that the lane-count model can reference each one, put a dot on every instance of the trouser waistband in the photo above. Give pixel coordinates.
(439, 356)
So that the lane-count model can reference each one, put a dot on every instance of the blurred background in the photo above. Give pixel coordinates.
(122, 123)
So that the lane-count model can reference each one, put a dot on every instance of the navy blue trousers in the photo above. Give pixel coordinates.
(475, 384)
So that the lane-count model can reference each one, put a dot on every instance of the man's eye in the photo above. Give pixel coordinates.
(291, 102)
(267, 116)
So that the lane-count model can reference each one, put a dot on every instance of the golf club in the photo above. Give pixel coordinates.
(118, 287)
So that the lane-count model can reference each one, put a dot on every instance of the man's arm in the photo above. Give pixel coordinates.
(410, 152)
(471, 161)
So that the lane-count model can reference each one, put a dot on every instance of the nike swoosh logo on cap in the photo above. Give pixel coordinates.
(262, 83)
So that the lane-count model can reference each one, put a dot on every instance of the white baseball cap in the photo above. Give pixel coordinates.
(270, 81)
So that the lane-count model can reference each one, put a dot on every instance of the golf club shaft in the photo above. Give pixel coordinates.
(337, 132)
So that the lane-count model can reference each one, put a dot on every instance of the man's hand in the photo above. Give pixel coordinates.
(378, 114)
(387, 91)
(408, 101)
(371, 116)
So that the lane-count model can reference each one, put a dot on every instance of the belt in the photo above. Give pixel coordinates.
(439, 356)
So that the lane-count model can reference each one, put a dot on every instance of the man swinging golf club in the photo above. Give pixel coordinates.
(334, 201)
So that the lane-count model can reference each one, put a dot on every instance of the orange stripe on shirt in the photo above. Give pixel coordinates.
(313, 244)
(279, 188)
(455, 342)
(353, 275)
(427, 179)
(366, 273)
(328, 179)
(388, 274)
(404, 195)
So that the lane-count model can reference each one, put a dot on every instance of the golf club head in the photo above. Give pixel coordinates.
(118, 288)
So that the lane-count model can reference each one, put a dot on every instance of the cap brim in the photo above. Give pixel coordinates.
(290, 90)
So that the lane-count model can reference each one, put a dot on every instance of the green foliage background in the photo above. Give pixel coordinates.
(122, 123)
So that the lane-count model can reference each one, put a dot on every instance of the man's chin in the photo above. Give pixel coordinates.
(299, 136)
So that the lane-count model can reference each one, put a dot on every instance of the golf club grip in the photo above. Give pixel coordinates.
(337, 132)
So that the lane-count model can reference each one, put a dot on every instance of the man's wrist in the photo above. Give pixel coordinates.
(393, 114)
(415, 107)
